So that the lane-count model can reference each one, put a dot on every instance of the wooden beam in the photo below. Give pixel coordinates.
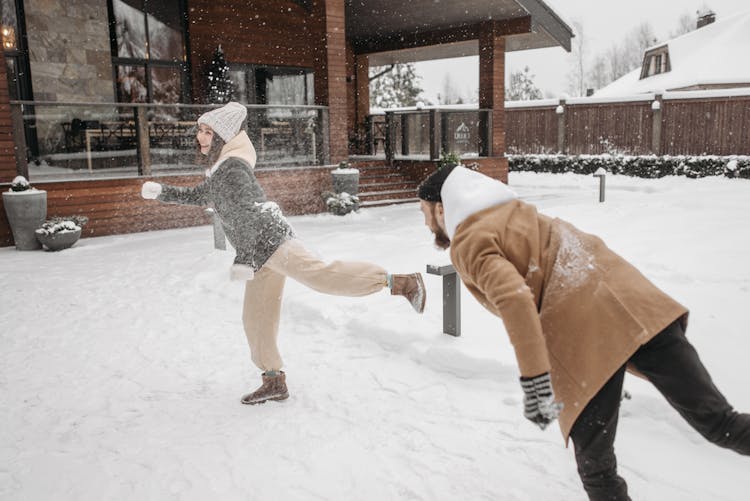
(400, 41)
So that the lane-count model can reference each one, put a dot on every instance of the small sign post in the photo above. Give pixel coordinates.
(451, 297)
(601, 174)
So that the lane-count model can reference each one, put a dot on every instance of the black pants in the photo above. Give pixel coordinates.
(672, 365)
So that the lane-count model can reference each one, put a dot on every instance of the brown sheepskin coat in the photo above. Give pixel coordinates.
(570, 305)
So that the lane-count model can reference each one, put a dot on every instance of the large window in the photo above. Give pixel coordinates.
(272, 84)
(17, 64)
(148, 50)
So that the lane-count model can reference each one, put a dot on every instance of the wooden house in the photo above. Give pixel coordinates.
(97, 96)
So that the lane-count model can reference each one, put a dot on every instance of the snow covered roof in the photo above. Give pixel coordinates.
(713, 55)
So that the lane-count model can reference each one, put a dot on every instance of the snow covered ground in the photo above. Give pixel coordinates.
(122, 361)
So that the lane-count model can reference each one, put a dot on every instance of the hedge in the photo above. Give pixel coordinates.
(649, 166)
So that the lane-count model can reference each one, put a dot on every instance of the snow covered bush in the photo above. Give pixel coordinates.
(57, 225)
(644, 166)
(20, 183)
(341, 203)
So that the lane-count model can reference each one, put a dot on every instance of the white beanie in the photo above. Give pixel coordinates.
(225, 121)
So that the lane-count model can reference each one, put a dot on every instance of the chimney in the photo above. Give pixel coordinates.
(705, 17)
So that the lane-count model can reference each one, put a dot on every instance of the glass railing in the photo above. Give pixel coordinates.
(69, 141)
(427, 133)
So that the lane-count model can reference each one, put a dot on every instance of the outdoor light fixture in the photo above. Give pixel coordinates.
(9, 37)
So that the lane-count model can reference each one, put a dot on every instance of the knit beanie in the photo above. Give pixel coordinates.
(429, 190)
(225, 121)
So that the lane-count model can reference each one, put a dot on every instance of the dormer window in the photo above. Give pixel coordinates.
(655, 62)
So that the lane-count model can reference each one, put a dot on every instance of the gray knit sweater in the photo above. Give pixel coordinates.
(254, 226)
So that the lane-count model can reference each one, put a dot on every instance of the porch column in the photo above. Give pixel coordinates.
(330, 75)
(362, 102)
(492, 84)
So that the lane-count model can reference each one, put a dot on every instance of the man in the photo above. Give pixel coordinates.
(577, 314)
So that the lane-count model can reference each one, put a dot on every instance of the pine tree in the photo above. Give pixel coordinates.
(522, 86)
(395, 88)
(220, 86)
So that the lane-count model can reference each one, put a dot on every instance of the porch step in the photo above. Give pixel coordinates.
(380, 184)
(372, 196)
(389, 186)
(388, 201)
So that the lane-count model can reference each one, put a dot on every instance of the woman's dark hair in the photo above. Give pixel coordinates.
(214, 151)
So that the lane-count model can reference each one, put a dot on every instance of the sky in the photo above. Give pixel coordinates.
(122, 362)
(605, 22)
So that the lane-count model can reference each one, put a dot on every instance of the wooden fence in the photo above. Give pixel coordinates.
(675, 123)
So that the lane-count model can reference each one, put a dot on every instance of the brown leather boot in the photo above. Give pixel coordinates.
(273, 388)
(412, 288)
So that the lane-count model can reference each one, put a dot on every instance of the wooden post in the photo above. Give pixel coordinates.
(561, 126)
(405, 134)
(656, 125)
(19, 139)
(390, 136)
(436, 134)
(142, 142)
(323, 138)
(485, 133)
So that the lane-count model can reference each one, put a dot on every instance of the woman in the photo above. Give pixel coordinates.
(267, 250)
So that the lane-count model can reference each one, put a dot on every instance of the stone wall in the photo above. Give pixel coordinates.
(71, 61)
(69, 50)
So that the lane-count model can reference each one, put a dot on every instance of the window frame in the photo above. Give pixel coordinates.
(147, 63)
(283, 70)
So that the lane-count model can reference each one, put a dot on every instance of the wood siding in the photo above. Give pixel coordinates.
(115, 206)
(279, 33)
(7, 147)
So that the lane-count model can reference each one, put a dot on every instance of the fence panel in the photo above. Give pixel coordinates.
(706, 126)
(608, 128)
(690, 125)
(531, 130)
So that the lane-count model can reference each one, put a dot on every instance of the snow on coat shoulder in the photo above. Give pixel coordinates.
(466, 192)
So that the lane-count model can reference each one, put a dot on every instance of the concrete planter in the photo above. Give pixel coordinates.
(345, 181)
(58, 241)
(27, 211)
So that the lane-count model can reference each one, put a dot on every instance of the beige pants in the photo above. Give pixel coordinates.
(262, 304)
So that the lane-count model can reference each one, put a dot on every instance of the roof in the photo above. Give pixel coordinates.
(417, 30)
(713, 55)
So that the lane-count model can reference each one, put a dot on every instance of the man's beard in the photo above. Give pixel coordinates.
(441, 239)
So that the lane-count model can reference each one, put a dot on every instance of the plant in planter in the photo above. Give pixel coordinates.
(345, 179)
(448, 159)
(341, 203)
(61, 232)
(26, 208)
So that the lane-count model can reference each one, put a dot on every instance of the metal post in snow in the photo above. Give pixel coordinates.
(601, 174)
(451, 297)
(220, 241)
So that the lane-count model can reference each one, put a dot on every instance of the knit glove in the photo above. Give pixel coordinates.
(539, 404)
(150, 190)
(241, 273)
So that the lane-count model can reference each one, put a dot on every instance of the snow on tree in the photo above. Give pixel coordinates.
(578, 54)
(395, 87)
(450, 93)
(220, 87)
(685, 24)
(521, 86)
